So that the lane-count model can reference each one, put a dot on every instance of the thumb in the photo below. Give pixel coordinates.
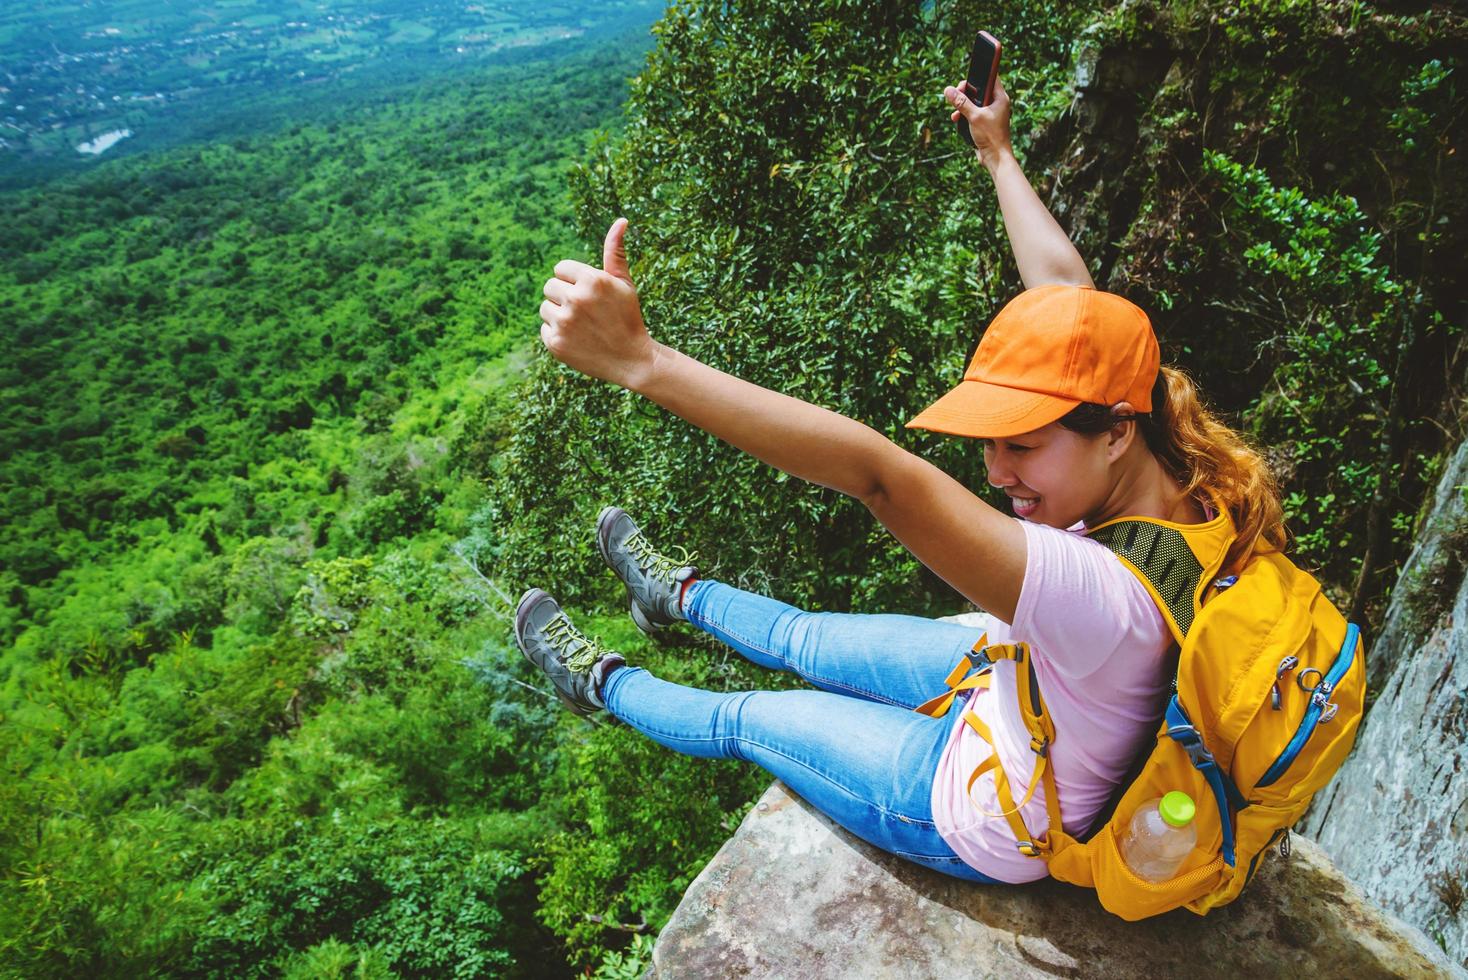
(614, 252)
(961, 101)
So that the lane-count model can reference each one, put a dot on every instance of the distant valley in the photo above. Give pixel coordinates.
(80, 81)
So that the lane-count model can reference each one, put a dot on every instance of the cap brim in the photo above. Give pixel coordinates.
(986, 411)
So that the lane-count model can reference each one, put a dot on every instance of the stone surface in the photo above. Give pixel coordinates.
(793, 896)
(1395, 819)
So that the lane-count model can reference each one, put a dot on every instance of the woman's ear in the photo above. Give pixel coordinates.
(1120, 436)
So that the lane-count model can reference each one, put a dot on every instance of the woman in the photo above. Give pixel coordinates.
(1079, 425)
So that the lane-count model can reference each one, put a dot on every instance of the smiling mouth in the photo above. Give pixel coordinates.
(1023, 506)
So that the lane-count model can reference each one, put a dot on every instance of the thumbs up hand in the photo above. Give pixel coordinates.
(591, 319)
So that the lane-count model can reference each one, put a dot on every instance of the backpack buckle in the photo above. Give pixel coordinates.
(1028, 849)
(1042, 748)
(1187, 736)
(1199, 753)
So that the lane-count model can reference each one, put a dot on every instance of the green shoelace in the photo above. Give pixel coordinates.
(657, 565)
(577, 651)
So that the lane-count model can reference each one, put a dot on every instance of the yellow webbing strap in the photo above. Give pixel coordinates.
(1010, 810)
(1037, 723)
(1042, 733)
(955, 681)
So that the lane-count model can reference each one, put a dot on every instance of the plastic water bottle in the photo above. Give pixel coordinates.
(1160, 837)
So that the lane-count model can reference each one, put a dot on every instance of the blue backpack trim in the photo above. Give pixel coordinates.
(1225, 793)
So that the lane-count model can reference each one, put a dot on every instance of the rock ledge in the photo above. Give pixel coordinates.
(792, 895)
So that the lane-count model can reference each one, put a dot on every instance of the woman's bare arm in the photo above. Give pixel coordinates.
(969, 544)
(1043, 251)
(804, 440)
(592, 322)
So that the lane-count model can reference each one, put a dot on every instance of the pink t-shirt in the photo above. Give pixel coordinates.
(1099, 648)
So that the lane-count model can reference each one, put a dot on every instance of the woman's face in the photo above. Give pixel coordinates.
(1052, 475)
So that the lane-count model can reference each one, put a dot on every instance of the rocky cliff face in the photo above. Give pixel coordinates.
(1396, 817)
(1162, 92)
(1148, 98)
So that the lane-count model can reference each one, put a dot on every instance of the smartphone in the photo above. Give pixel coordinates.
(983, 68)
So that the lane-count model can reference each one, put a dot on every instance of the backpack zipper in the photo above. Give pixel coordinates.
(1319, 703)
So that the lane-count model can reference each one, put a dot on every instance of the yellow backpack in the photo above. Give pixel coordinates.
(1268, 696)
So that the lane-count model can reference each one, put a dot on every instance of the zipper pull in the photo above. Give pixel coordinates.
(1287, 664)
(1284, 844)
(1321, 697)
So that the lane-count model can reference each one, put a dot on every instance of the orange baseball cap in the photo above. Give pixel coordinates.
(1050, 349)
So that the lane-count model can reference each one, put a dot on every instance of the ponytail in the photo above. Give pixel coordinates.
(1203, 454)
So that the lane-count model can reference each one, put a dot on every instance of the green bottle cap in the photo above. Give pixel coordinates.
(1177, 808)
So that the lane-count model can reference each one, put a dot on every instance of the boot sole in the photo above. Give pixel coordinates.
(638, 618)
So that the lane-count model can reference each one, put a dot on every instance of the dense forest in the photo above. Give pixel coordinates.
(259, 714)
(279, 446)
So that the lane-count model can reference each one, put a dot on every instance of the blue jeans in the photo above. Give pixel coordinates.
(854, 749)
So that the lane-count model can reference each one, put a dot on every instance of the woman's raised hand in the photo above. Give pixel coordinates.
(591, 319)
(988, 125)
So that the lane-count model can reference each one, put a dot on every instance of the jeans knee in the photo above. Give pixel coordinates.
(729, 724)
(793, 634)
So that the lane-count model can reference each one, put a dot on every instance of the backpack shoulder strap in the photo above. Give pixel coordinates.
(1175, 562)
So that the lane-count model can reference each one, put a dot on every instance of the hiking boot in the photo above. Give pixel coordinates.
(654, 582)
(575, 664)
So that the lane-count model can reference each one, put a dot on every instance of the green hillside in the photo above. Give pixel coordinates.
(258, 713)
